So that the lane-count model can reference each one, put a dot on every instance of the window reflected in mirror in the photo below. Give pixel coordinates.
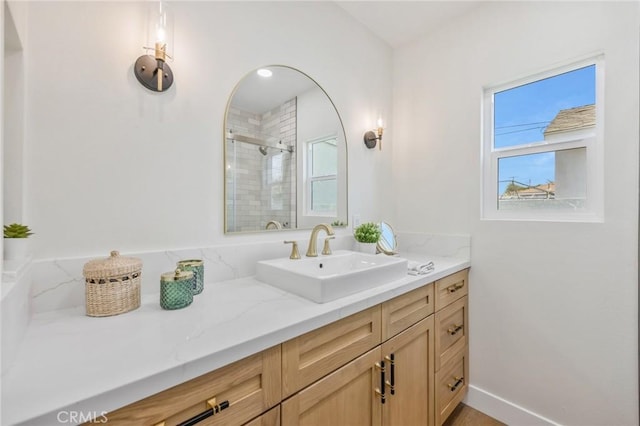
(322, 176)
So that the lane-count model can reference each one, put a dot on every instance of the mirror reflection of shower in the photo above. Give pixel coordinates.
(282, 147)
(260, 185)
(263, 144)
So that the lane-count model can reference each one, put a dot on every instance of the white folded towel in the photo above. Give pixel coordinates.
(420, 268)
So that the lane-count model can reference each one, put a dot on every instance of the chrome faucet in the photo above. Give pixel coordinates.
(312, 251)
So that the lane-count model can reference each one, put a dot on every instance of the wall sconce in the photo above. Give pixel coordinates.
(371, 137)
(152, 71)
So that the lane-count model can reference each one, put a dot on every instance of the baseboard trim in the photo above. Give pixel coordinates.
(503, 410)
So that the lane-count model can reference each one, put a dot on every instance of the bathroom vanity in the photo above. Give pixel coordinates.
(401, 362)
(268, 353)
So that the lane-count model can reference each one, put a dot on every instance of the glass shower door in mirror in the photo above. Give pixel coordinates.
(285, 154)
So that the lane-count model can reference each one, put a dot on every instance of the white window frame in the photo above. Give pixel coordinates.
(310, 179)
(591, 139)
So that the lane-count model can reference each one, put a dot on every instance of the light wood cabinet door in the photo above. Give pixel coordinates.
(451, 288)
(345, 397)
(451, 330)
(251, 386)
(409, 371)
(270, 418)
(313, 355)
(403, 311)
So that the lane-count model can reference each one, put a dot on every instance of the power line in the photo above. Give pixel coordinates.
(521, 130)
(523, 124)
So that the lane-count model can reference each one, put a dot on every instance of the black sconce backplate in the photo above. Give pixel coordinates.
(145, 70)
(370, 139)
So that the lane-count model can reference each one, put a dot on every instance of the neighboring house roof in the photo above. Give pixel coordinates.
(545, 190)
(572, 119)
(539, 189)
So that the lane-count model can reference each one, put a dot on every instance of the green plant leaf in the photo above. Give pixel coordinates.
(16, 230)
(368, 232)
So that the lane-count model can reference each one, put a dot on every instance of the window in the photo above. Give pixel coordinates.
(542, 146)
(322, 177)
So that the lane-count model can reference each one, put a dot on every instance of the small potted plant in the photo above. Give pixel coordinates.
(367, 236)
(16, 241)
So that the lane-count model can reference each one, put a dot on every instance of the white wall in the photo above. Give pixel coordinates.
(113, 165)
(14, 21)
(571, 173)
(553, 306)
(13, 121)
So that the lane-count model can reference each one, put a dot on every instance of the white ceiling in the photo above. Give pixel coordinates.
(399, 22)
(260, 94)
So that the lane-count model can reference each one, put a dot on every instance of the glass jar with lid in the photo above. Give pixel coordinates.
(176, 289)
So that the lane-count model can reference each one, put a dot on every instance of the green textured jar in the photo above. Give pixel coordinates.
(175, 289)
(197, 267)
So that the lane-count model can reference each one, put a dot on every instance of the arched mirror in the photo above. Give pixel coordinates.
(387, 243)
(285, 154)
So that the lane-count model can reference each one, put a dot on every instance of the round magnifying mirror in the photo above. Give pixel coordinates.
(387, 243)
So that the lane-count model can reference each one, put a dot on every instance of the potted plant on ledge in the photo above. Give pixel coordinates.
(367, 236)
(16, 241)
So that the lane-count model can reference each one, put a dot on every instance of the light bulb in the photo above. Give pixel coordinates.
(161, 35)
(160, 30)
(379, 132)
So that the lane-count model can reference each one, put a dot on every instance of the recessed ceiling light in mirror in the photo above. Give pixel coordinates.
(263, 72)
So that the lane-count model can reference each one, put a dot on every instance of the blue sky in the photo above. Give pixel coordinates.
(521, 114)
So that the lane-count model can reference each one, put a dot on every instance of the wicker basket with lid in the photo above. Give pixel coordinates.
(112, 285)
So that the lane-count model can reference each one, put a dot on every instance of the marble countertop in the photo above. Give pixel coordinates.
(69, 362)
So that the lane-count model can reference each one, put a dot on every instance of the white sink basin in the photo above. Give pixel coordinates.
(325, 278)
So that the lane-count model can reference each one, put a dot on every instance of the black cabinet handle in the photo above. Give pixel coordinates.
(455, 287)
(215, 409)
(392, 375)
(454, 330)
(453, 387)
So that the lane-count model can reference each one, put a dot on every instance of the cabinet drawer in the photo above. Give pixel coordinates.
(251, 386)
(451, 288)
(401, 312)
(451, 330)
(311, 356)
(451, 385)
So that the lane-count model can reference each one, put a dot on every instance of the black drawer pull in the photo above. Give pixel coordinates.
(453, 330)
(455, 287)
(215, 409)
(453, 387)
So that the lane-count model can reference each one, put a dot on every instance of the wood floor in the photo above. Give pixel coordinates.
(464, 415)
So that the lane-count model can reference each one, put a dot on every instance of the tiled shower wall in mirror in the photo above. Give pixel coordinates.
(261, 187)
